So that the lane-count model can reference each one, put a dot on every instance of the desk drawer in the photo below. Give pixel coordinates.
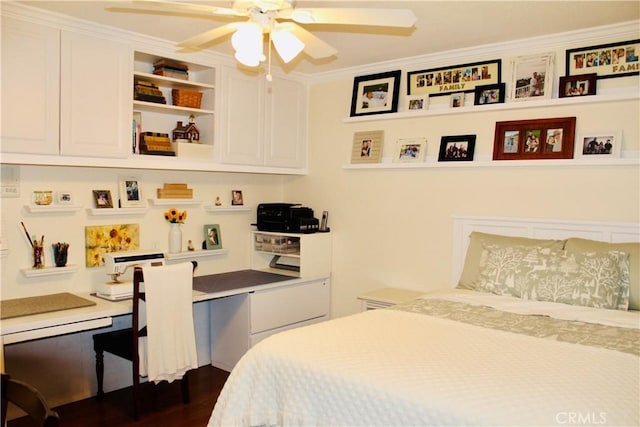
(275, 308)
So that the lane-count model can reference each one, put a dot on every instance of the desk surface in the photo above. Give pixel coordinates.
(54, 323)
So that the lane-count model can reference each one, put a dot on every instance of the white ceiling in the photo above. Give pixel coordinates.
(441, 25)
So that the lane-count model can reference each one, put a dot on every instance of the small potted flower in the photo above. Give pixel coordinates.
(175, 218)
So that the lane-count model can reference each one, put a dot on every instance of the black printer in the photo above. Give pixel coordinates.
(286, 218)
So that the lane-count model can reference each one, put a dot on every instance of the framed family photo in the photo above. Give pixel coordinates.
(212, 236)
(581, 85)
(456, 78)
(367, 146)
(599, 144)
(130, 193)
(410, 150)
(605, 60)
(457, 148)
(102, 199)
(489, 94)
(375, 94)
(534, 139)
(532, 77)
(417, 102)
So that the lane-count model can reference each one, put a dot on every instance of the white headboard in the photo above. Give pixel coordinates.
(534, 228)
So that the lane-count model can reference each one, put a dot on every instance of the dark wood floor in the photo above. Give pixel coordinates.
(114, 410)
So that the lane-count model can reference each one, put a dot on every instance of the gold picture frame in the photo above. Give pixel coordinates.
(367, 146)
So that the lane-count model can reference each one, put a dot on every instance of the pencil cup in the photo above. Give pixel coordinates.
(38, 255)
(60, 251)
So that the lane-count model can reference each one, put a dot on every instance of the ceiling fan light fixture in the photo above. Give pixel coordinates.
(247, 42)
(287, 44)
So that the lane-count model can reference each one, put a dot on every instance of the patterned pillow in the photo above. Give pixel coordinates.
(598, 279)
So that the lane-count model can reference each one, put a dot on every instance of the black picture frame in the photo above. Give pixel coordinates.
(580, 85)
(608, 62)
(457, 148)
(371, 94)
(456, 78)
(489, 94)
(102, 199)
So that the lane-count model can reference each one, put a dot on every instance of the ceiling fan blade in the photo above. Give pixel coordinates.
(313, 46)
(352, 16)
(208, 36)
(189, 7)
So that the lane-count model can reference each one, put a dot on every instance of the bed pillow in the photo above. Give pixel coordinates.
(633, 249)
(471, 269)
(599, 280)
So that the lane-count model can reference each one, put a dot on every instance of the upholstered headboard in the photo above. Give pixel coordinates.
(534, 228)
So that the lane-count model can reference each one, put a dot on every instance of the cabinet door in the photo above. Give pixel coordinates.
(286, 124)
(242, 121)
(30, 87)
(95, 100)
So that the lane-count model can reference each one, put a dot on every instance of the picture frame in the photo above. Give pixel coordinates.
(102, 199)
(130, 192)
(417, 102)
(64, 198)
(375, 94)
(456, 78)
(532, 77)
(410, 150)
(457, 148)
(236, 198)
(212, 236)
(580, 85)
(605, 60)
(489, 94)
(456, 100)
(551, 138)
(367, 146)
(591, 145)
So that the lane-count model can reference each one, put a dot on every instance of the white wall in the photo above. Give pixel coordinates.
(392, 227)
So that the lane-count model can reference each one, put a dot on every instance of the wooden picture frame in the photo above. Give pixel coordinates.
(212, 236)
(102, 199)
(532, 77)
(580, 85)
(457, 148)
(457, 78)
(601, 144)
(367, 146)
(375, 94)
(606, 60)
(130, 192)
(489, 94)
(410, 150)
(534, 139)
(417, 102)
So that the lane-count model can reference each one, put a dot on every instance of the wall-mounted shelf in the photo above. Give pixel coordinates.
(49, 271)
(117, 211)
(172, 202)
(196, 254)
(51, 209)
(626, 95)
(213, 208)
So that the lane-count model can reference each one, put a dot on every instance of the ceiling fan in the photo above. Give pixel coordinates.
(279, 20)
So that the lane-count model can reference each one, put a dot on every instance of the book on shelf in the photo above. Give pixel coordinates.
(165, 62)
(174, 75)
(150, 98)
(146, 90)
(172, 70)
(139, 82)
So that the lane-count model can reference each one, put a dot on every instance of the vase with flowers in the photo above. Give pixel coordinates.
(175, 218)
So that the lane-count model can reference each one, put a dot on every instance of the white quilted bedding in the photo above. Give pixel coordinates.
(397, 368)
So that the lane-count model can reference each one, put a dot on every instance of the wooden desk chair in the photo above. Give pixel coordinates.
(27, 398)
(125, 343)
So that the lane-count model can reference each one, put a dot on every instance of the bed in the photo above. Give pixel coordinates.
(541, 328)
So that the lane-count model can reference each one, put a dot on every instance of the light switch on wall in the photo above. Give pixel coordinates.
(10, 181)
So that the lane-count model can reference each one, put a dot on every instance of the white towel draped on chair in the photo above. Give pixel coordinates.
(169, 349)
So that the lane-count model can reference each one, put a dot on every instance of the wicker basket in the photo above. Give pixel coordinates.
(186, 98)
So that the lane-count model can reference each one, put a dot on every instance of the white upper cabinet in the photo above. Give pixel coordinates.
(263, 123)
(30, 87)
(95, 100)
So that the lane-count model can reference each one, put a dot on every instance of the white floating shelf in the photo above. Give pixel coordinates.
(214, 208)
(170, 202)
(196, 254)
(48, 271)
(52, 208)
(117, 211)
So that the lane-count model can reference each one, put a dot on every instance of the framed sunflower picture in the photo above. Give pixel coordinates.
(102, 239)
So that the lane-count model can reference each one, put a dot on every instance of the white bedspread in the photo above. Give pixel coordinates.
(396, 368)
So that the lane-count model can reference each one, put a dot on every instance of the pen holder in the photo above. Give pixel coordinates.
(60, 251)
(38, 255)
